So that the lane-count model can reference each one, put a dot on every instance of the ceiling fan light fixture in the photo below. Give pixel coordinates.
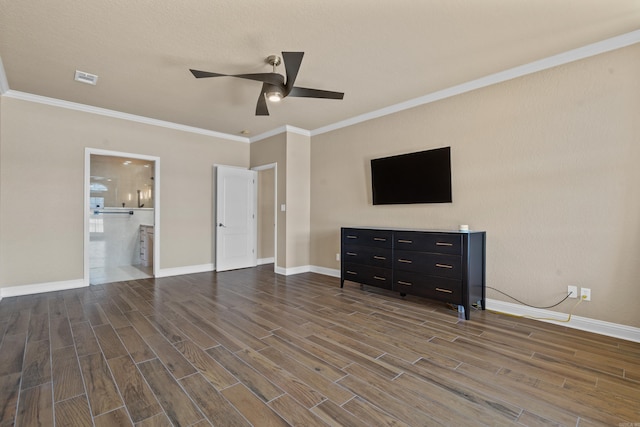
(274, 96)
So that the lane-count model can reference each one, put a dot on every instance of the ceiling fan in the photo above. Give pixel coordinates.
(274, 86)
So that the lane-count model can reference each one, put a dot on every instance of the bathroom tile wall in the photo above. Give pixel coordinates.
(114, 239)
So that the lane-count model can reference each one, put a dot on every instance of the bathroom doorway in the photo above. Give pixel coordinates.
(121, 216)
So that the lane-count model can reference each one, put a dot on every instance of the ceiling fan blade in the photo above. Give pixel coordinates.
(201, 74)
(261, 106)
(292, 61)
(303, 92)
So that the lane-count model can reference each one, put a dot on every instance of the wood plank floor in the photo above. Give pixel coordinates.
(249, 347)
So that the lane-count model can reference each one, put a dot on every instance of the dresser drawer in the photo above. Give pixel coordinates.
(441, 288)
(366, 237)
(380, 257)
(428, 263)
(374, 276)
(442, 243)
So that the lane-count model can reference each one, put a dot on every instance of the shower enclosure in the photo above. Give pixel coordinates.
(121, 218)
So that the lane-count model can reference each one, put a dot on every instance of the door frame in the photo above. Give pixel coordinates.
(273, 166)
(87, 194)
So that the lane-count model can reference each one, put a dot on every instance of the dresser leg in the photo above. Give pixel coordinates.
(342, 283)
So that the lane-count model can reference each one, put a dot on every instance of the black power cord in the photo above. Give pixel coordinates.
(529, 305)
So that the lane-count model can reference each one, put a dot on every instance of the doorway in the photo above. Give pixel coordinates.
(267, 214)
(121, 216)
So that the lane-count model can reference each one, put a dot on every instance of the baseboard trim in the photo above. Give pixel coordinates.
(38, 288)
(190, 269)
(333, 272)
(601, 327)
(292, 270)
(262, 261)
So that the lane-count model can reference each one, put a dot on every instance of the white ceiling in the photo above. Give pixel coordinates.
(378, 53)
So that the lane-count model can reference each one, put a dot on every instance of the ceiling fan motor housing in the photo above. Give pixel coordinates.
(274, 60)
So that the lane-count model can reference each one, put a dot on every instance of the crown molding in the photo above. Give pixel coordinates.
(593, 49)
(118, 115)
(296, 130)
(279, 130)
(269, 134)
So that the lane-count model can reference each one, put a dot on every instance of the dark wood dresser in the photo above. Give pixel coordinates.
(448, 266)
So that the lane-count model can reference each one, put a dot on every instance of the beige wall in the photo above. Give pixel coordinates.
(41, 182)
(266, 213)
(298, 199)
(291, 152)
(265, 152)
(547, 164)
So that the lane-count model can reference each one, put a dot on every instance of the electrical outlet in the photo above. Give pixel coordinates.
(338, 257)
(573, 290)
(585, 294)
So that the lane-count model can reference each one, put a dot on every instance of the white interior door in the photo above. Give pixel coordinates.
(236, 226)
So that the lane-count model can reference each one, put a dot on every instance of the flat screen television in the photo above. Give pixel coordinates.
(422, 177)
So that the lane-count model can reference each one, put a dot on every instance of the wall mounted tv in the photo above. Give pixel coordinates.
(422, 177)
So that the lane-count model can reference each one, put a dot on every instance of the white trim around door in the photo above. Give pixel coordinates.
(273, 166)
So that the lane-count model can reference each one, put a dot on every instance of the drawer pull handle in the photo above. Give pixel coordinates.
(352, 254)
(447, 291)
(352, 237)
(380, 239)
(444, 244)
(379, 278)
(406, 261)
(444, 265)
(379, 257)
(404, 241)
(400, 282)
(352, 272)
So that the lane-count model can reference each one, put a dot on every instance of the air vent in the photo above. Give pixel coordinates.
(83, 77)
